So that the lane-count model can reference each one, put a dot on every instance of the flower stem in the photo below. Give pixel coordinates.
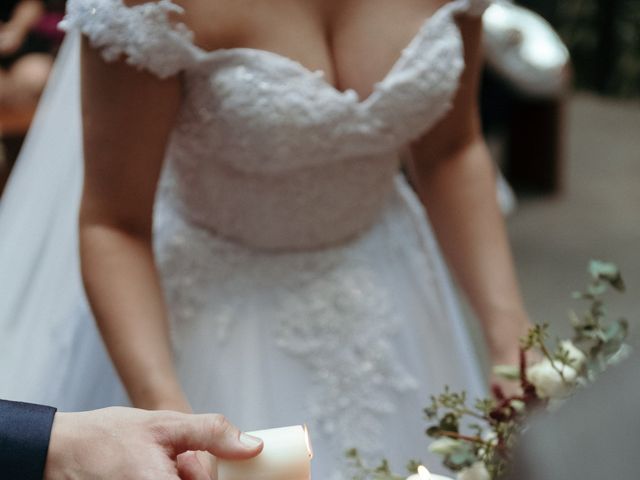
(458, 436)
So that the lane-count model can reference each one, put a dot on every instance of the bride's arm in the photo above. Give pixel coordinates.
(455, 178)
(127, 117)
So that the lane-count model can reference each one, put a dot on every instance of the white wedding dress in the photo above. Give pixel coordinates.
(303, 281)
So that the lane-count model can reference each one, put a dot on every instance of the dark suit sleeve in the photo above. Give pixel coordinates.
(25, 430)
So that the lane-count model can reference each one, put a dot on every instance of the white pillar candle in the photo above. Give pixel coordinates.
(424, 474)
(286, 456)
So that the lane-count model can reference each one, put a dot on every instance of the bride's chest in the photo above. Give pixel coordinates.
(354, 42)
(269, 151)
(261, 109)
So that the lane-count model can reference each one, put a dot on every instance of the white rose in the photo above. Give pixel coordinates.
(478, 471)
(548, 381)
(577, 356)
(445, 446)
(490, 437)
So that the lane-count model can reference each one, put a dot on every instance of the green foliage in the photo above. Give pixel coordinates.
(602, 339)
(382, 472)
(488, 429)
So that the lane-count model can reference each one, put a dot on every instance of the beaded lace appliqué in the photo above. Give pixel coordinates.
(142, 34)
(330, 311)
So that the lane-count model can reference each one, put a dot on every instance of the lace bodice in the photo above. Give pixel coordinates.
(267, 152)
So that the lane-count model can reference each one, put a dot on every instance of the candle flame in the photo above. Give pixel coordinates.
(424, 473)
(308, 440)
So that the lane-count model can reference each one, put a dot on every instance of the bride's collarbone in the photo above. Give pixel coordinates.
(354, 42)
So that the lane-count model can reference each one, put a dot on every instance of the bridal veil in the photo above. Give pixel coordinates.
(40, 281)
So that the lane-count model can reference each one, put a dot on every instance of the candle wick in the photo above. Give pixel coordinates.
(308, 441)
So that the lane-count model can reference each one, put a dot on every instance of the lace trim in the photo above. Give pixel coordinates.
(143, 34)
(422, 93)
(148, 39)
(434, 60)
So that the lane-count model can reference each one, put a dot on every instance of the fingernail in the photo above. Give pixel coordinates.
(249, 441)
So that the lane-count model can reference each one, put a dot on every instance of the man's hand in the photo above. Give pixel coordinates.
(129, 444)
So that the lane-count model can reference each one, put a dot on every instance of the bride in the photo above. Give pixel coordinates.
(246, 242)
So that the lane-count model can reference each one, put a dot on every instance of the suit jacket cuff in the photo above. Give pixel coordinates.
(25, 431)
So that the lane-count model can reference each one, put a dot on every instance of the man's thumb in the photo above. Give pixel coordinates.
(214, 434)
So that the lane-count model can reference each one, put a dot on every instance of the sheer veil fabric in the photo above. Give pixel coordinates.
(41, 287)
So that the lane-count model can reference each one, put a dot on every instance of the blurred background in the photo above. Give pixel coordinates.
(29, 40)
(567, 140)
(576, 172)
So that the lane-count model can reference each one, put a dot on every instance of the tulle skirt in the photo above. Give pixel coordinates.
(351, 340)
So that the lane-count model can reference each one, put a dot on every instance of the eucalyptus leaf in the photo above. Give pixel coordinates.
(450, 423)
(608, 272)
(621, 355)
(597, 289)
(600, 269)
(460, 460)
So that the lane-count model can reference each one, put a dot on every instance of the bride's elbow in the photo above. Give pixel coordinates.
(102, 230)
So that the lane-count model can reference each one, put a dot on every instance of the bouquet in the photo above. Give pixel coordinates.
(475, 439)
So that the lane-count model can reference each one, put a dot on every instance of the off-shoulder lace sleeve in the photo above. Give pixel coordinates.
(142, 34)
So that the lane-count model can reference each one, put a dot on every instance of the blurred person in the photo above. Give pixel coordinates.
(37, 443)
(25, 58)
(48, 26)
(246, 241)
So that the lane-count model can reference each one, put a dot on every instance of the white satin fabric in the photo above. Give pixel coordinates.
(302, 278)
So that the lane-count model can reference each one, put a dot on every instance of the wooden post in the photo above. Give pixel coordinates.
(535, 145)
(607, 51)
